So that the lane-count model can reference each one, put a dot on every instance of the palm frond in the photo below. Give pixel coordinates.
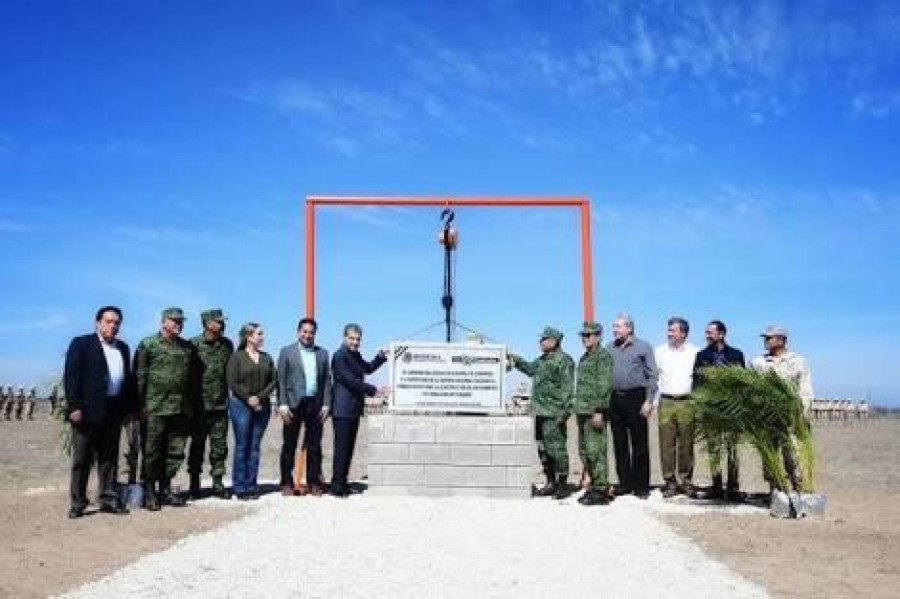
(762, 408)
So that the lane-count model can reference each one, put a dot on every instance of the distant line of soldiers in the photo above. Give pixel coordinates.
(839, 409)
(22, 400)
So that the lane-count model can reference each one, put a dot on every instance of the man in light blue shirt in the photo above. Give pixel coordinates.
(304, 399)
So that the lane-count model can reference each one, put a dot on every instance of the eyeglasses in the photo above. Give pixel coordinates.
(586, 335)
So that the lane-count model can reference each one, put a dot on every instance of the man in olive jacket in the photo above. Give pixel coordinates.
(211, 421)
(593, 390)
(551, 398)
(167, 371)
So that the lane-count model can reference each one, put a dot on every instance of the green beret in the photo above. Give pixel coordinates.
(173, 313)
(212, 314)
(590, 328)
(551, 332)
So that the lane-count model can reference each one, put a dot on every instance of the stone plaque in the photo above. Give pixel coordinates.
(447, 377)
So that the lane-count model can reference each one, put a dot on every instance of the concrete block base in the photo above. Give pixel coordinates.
(450, 456)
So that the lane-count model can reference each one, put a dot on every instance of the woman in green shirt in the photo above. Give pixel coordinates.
(251, 380)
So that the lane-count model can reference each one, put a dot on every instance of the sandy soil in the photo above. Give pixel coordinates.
(847, 553)
(853, 552)
(42, 552)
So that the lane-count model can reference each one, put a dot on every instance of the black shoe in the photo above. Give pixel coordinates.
(151, 501)
(242, 496)
(715, 494)
(620, 490)
(341, 491)
(75, 512)
(594, 497)
(166, 497)
(734, 496)
(689, 490)
(119, 510)
(253, 495)
(642, 494)
(220, 490)
(562, 488)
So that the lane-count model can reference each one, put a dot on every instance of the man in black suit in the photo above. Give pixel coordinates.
(350, 390)
(99, 394)
(717, 353)
(304, 381)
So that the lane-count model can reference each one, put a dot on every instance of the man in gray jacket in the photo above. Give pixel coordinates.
(304, 398)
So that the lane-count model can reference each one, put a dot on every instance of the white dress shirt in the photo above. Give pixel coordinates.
(115, 365)
(676, 368)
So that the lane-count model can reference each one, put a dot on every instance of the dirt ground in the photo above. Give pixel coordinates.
(854, 551)
(851, 552)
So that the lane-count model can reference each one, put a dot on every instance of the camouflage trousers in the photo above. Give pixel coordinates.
(592, 446)
(135, 433)
(164, 446)
(213, 425)
(551, 435)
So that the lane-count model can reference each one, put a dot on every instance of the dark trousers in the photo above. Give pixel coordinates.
(345, 430)
(629, 430)
(308, 415)
(90, 441)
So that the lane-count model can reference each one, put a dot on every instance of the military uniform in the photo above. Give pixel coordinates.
(551, 399)
(793, 368)
(6, 400)
(212, 419)
(593, 390)
(167, 377)
(20, 401)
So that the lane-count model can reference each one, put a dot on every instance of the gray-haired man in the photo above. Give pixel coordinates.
(634, 387)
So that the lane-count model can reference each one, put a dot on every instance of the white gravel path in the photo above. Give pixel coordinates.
(425, 547)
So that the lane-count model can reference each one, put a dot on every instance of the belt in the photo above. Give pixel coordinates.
(631, 391)
(674, 397)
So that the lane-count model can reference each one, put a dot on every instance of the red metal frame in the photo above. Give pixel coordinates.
(583, 203)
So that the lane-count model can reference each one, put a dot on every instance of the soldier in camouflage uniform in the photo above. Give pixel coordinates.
(167, 370)
(593, 390)
(551, 395)
(793, 368)
(6, 399)
(20, 401)
(211, 421)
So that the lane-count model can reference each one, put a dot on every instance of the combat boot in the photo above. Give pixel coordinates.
(594, 497)
(194, 489)
(548, 490)
(219, 489)
(166, 497)
(562, 488)
(151, 501)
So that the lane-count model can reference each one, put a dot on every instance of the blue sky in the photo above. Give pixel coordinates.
(741, 159)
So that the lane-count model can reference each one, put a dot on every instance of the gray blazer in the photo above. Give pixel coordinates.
(292, 378)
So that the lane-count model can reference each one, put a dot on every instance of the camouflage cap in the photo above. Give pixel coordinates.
(212, 314)
(590, 328)
(173, 313)
(551, 332)
(774, 331)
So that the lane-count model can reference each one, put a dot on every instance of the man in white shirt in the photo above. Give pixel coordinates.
(99, 395)
(675, 361)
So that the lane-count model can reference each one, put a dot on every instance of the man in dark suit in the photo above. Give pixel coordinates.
(717, 353)
(349, 370)
(304, 383)
(100, 394)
